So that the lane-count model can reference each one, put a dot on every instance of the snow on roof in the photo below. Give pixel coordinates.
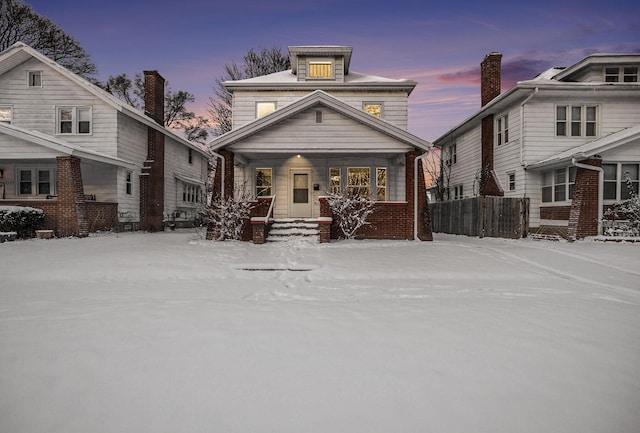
(592, 148)
(288, 78)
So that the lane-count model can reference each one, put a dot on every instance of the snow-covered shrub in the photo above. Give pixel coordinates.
(225, 217)
(351, 211)
(21, 219)
(628, 211)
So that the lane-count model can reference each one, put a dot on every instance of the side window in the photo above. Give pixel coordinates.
(264, 108)
(373, 108)
(264, 182)
(359, 181)
(34, 78)
(73, 120)
(335, 185)
(381, 183)
(6, 114)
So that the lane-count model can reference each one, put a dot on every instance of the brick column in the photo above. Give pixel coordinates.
(71, 212)
(583, 216)
(228, 173)
(407, 222)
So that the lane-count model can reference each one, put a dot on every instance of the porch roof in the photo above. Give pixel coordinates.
(592, 148)
(60, 146)
(322, 98)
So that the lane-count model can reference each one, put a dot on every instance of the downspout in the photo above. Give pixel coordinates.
(600, 171)
(222, 167)
(415, 193)
(522, 125)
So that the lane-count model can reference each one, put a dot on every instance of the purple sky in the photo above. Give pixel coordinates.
(438, 44)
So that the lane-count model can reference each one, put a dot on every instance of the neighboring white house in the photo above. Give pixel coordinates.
(534, 140)
(318, 128)
(88, 159)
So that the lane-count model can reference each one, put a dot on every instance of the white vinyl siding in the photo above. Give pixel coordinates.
(395, 109)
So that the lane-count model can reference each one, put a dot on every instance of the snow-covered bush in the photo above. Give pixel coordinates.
(225, 217)
(21, 219)
(351, 211)
(628, 211)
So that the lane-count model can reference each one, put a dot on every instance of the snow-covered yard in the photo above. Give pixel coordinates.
(169, 333)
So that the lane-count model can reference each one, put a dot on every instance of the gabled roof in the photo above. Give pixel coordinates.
(20, 52)
(61, 146)
(592, 148)
(318, 97)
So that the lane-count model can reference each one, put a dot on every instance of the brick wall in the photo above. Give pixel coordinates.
(102, 216)
(555, 213)
(70, 212)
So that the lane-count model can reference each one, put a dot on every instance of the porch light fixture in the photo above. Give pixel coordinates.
(298, 156)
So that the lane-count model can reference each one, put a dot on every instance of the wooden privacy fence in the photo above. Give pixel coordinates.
(500, 217)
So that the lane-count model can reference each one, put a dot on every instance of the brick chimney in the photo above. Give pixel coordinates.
(154, 95)
(152, 176)
(489, 89)
(490, 77)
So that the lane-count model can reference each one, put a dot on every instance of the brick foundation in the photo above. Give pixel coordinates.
(555, 213)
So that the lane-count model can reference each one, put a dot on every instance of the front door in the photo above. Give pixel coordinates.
(300, 194)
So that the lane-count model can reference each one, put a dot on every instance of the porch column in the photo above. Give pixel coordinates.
(228, 176)
(71, 212)
(583, 216)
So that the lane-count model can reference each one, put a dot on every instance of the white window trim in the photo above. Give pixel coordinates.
(74, 119)
(34, 180)
(502, 130)
(321, 62)
(258, 103)
(583, 121)
(10, 108)
(349, 187)
(515, 185)
(128, 182)
(386, 189)
(29, 74)
(255, 178)
(380, 104)
(620, 75)
(335, 189)
(620, 179)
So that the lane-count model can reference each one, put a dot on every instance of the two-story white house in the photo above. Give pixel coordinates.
(90, 161)
(321, 127)
(566, 139)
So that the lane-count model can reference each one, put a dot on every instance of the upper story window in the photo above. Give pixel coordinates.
(502, 130)
(622, 74)
(320, 69)
(73, 120)
(6, 114)
(576, 121)
(34, 78)
(263, 108)
(450, 154)
(190, 156)
(511, 181)
(373, 108)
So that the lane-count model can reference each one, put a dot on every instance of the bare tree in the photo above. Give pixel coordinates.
(20, 23)
(176, 115)
(437, 172)
(254, 64)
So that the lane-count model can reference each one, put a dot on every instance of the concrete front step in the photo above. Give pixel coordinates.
(288, 229)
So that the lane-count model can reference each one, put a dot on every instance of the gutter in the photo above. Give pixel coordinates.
(415, 193)
(522, 125)
(600, 171)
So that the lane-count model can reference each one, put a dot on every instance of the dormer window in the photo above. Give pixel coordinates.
(626, 74)
(263, 108)
(320, 69)
(375, 108)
